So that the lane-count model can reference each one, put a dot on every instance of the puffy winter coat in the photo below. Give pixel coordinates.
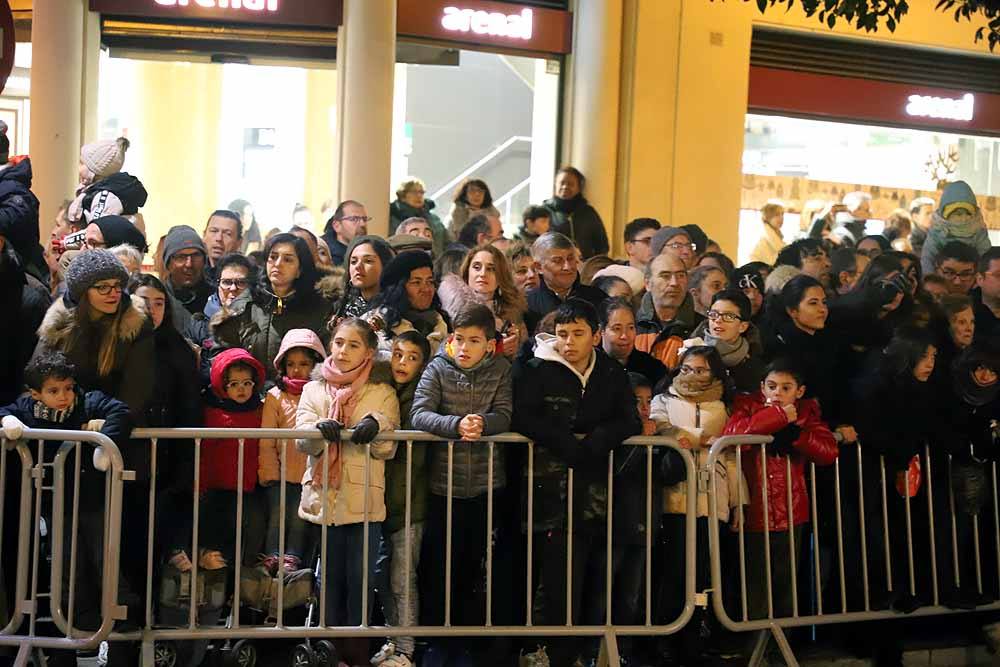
(400, 210)
(577, 219)
(346, 504)
(663, 340)
(220, 457)
(447, 393)
(552, 402)
(676, 417)
(19, 216)
(816, 444)
(279, 412)
(258, 324)
(25, 300)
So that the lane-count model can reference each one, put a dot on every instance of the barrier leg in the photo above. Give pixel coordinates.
(148, 654)
(759, 649)
(608, 657)
(23, 655)
(786, 649)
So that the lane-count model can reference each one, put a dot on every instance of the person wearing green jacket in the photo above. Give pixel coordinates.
(410, 354)
(411, 202)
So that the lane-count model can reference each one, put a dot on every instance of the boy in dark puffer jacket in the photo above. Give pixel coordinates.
(463, 395)
(55, 401)
(572, 387)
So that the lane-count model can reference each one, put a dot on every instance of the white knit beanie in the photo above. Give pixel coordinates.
(104, 158)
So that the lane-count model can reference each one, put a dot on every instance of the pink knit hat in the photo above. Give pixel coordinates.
(298, 338)
(104, 158)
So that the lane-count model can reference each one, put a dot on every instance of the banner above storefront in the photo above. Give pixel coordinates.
(327, 14)
(852, 99)
(484, 23)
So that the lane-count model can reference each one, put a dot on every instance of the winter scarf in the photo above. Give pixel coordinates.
(47, 414)
(424, 321)
(344, 389)
(697, 389)
(293, 387)
(568, 205)
(970, 391)
(733, 354)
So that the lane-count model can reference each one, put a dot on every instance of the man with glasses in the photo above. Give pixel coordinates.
(349, 220)
(559, 263)
(665, 316)
(639, 240)
(956, 263)
(184, 257)
(674, 241)
(986, 297)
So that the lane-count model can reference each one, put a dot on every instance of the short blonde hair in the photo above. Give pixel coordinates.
(409, 184)
(770, 210)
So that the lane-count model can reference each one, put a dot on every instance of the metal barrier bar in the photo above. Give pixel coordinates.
(489, 537)
(863, 530)
(816, 544)
(767, 530)
(742, 542)
(20, 585)
(840, 536)
(447, 541)
(238, 554)
(885, 528)
(930, 522)
(609, 539)
(791, 536)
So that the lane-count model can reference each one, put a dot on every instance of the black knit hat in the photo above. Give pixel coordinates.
(746, 277)
(91, 267)
(402, 265)
(117, 230)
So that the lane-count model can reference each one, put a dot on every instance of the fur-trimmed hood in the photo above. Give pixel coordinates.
(331, 285)
(456, 296)
(60, 320)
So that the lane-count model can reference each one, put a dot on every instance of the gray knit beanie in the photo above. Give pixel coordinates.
(90, 267)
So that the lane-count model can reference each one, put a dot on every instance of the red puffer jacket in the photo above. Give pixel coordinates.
(220, 457)
(816, 444)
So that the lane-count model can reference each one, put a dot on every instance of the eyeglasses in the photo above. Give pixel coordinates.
(230, 283)
(678, 246)
(105, 290)
(358, 218)
(644, 241)
(690, 370)
(240, 384)
(728, 318)
(950, 274)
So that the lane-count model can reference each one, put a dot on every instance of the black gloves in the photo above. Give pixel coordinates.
(365, 431)
(887, 290)
(784, 440)
(330, 429)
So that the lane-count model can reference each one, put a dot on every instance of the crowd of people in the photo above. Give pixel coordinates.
(833, 339)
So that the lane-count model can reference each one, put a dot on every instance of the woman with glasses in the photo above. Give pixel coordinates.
(728, 329)
(284, 298)
(573, 216)
(692, 408)
(109, 339)
(412, 202)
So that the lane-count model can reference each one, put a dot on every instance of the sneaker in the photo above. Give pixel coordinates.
(268, 565)
(537, 659)
(387, 651)
(102, 654)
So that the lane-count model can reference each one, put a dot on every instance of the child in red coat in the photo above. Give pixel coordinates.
(234, 400)
(800, 436)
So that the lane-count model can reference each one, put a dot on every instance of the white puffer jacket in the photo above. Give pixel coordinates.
(676, 417)
(346, 505)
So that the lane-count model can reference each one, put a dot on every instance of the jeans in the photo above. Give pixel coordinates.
(394, 584)
(299, 534)
(343, 572)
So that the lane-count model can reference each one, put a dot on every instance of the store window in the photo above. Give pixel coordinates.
(207, 134)
(482, 115)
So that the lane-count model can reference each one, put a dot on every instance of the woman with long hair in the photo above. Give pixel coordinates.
(473, 197)
(285, 299)
(409, 301)
(486, 278)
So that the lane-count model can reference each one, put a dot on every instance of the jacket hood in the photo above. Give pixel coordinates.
(298, 338)
(226, 359)
(60, 320)
(957, 193)
(331, 285)
(19, 171)
(545, 349)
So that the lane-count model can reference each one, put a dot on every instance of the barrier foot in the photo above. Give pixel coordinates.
(786, 649)
(608, 656)
(759, 649)
(23, 654)
(148, 653)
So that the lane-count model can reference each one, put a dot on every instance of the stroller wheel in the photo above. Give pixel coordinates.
(303, 656)
(164, 654)
(242, 654)
(326, 653)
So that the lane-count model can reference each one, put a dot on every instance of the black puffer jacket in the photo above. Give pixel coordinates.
(25, 301)
(577, 219)
(19, 217)
(552, 402)
(447, 393)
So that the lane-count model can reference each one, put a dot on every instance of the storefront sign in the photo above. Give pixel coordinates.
(487, 23)
(327, 14)
(831, 97)
(941, 107)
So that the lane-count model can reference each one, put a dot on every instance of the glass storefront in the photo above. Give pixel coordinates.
(485, 115)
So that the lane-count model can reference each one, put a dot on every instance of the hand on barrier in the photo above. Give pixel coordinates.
(330, 428)
(13, 428)
(471, 427)
(784, 440)
(101, 459)
(94, 425)
(365, 431)
(847, 433)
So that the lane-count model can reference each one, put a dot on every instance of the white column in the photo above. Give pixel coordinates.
(366, 58)
(64, 55)
(593, 96)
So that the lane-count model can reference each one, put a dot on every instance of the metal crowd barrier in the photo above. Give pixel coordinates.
(154, 636)
(860, 563)
(42, 474)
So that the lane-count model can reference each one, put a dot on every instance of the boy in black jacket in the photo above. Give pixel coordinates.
(571, 387)
(55, 401)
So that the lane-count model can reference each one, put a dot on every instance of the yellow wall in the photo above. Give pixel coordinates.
(321, 133)
(691, 67)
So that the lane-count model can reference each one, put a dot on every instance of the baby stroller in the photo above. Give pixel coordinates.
(319, 653)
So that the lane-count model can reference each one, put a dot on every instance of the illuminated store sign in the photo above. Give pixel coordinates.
(941, 107)
(250, 5)
(494, 24)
